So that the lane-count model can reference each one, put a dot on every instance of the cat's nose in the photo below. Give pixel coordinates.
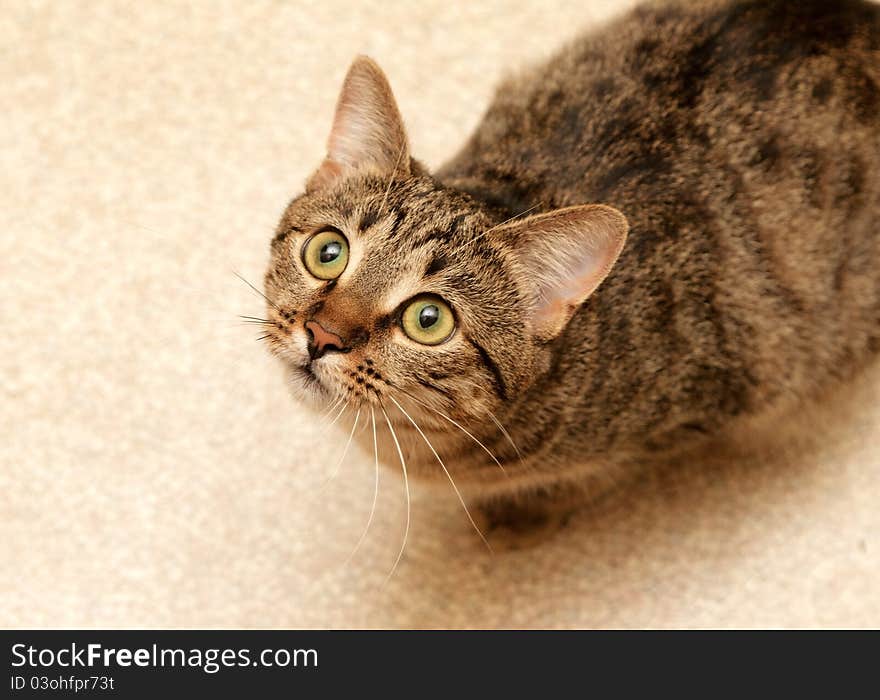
(321, 341)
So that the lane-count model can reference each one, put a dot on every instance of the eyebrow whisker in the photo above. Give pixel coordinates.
(268, 300)
(506, 221)
(391, 179)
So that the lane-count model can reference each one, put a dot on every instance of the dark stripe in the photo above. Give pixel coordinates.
(399, 216)
(314, 308)
(433, 387)
(283, 234)
(367, 220)
(385, 322)
(444, 235)
(437, 263)
(500, 387)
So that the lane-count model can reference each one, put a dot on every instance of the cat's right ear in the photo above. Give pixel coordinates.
(561, 257)
(367, 131)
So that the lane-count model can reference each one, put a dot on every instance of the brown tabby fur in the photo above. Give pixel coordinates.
(740, 139)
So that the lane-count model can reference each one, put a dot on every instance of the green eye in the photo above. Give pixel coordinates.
(428, 320)
(325, 254)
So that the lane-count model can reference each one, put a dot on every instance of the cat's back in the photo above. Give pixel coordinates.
(651, 93)
(741, 140)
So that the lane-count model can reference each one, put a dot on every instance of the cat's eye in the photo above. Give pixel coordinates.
(428, 320)
(325, 254)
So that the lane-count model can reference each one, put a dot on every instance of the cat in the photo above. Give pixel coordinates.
(670, 227)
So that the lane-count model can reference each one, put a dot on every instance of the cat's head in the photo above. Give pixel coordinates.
(386, 285)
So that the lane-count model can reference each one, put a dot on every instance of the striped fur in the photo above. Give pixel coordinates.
(741, 140)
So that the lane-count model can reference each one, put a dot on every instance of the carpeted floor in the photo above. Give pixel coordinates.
(154, 470)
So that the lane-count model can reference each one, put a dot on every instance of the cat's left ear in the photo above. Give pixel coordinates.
(562, 257)
(367, 128)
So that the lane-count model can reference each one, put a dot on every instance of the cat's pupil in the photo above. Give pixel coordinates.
(428, 316)
(329, 252)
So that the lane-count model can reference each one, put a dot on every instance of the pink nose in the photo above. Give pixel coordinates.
(321, 340)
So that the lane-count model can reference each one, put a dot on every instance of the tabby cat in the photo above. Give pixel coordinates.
(671, 226)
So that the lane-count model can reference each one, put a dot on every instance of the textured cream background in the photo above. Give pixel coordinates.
(154, 471)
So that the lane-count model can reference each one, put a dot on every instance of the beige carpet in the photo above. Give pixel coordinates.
(154, 471)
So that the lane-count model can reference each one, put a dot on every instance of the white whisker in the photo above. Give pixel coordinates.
(268, 300)
(445, 470)
(375, 489)
(406, 485)
(506, 434)
(459, 426)
(506, 221)
(344, 452)
(336, 418)
(325, 414)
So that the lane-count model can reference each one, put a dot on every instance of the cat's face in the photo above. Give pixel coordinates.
(384, 288)
(387, 288)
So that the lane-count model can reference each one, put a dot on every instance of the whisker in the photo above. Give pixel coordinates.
(260, 322)
(375, 489)
(506, 221)
(336, 418)
(406, 485)
(325, 414)
(459, 426)
(344, 451)
(391, 179)
(445, 470)
(268, 300)
(506, 434)
(263, 337)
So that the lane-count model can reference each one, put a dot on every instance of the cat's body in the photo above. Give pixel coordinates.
(741, 140)
(743, 145)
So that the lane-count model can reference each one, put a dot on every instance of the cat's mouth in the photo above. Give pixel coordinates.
(322, 383)
(354, 379)
(308, 376)
(306, 384)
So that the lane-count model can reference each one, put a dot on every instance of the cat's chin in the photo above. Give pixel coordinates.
(307, 387)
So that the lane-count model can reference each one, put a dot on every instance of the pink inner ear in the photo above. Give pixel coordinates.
(563, 284)
(566, 254)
